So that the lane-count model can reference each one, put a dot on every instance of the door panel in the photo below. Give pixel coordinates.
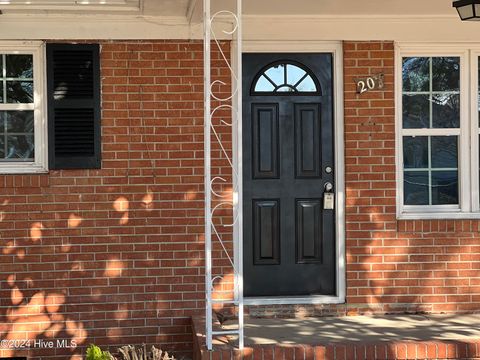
(307, 140)
(265, 141)
(309, 231)
(266, 232)
(289, 238)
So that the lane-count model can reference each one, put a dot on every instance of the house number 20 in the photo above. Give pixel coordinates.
(374, 82)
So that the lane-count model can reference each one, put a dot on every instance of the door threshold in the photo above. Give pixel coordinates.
(294, 300)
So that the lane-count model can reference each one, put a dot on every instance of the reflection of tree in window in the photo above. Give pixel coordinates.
(416, 113)
(446, 110)
(416, 74)
(19, 66)
(445, 73)
(444, 151)
(20, 147)
(17, 140)
(19, 92)
(18, 78)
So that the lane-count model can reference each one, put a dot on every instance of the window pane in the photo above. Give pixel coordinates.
(286, 88)
(446, 110)
(276, 74)
(444, 151)
(17, 135)
(416, 74)
(446, 74)
(19, 92)
(415, 152)
(2, 97)
(20, 147)
(294, 74)
(416, 188)
(430, 186)
(444, 187)
(19, 66)
(307, 85)
(19, 121)
(416, 112)
(263, 85)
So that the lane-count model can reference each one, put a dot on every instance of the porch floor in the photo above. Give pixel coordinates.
(453, 336)
(361, 329)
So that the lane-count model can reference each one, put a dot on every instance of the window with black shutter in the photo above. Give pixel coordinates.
(73, 84)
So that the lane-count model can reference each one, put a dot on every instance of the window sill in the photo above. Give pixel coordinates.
(439, 216)
(25, 169)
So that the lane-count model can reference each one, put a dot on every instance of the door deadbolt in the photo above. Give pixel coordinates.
(328, 170)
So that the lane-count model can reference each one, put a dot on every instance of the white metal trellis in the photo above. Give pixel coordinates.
(232, 102)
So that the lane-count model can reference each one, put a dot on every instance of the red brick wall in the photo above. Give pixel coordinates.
(395, 265)
(115, 256)
(373, 272)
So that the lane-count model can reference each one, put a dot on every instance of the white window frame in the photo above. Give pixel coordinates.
(474, 130)
(111, 5)
(40, 163)
(468, 161)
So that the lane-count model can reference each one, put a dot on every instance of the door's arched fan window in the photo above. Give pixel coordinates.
(284, 77)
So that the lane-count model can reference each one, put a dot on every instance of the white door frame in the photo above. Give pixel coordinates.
(336, 49)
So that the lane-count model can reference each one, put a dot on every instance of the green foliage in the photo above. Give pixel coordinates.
(95, 353)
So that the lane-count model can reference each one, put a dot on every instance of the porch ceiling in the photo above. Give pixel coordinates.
(348, 7)
(310, 7)
(264, 20)
(187, 8)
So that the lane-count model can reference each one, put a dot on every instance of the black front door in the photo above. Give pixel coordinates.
(288, 167)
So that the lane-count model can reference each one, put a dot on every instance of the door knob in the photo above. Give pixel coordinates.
(328, 187)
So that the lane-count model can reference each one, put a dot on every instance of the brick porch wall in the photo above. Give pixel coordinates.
(115, 256)
(392, 265)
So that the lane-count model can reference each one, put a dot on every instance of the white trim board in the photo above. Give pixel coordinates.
(336, 48)
(115, 26)
(71, 5)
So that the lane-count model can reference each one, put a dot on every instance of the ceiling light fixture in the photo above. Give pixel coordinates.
(468, 9)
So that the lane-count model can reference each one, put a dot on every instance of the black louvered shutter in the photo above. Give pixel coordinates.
(73, 82)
